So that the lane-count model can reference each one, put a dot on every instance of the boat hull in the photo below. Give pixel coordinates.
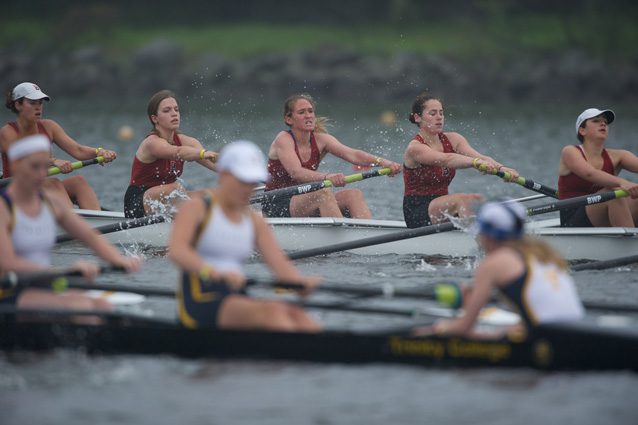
(294, 234)
(564, 347)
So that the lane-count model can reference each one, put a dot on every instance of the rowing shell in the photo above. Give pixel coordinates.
(293, 234)
(576, 346)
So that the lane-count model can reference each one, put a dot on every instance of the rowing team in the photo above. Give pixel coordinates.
(216, 231)
(429, 164)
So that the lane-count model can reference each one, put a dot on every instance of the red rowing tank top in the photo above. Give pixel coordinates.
(160, 171)
(429, 179)
(280, 178)
(5, 159)
(571, 185)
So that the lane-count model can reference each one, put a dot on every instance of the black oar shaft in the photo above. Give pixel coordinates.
(120, 225)
(576, 202)
(607, 264)
(289, 192)
(522, 181)
(374, 240)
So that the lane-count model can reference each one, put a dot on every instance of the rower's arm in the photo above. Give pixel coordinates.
(181, 250)
(575, 163)
(271, 252)
(425, 155)
(80, 229)
(156, 147)
(73, 148)
(353, 156)
(627, 160)
(210, 156)
(284, 150)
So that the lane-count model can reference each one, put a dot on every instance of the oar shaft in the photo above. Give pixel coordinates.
(606, 264)
(288, 192)
(374, 240)
(522, 181)
(577, 202)
(121, 225)
(46, 278)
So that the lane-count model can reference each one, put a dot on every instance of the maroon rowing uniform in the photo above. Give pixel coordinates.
(5, 160)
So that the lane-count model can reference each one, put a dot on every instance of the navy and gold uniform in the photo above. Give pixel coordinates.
(224, 246)
(544, 294)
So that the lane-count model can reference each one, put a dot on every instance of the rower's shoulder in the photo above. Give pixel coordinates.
(283, 139)
(454, 137)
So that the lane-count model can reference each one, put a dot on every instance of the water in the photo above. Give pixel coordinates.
(72, 388)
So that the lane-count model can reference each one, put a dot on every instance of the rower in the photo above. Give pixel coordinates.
(160, 158)
(26, 101)
(527, 272)
(294, 157)
(29, 214)
(589, 168)
(430, 163)
(214, 235)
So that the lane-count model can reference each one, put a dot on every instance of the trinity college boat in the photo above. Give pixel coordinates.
(295, 234)
(577, 346)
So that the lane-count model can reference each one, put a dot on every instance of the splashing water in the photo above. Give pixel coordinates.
(424, 266)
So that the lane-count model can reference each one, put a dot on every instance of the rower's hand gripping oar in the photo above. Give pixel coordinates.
(56, 170)
(288, 192)
(527, 183)
(49, 279)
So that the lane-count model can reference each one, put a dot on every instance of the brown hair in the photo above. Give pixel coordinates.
(419, 105)
(154, 102)
(289, 105)
(10, 103)
(542, 251)
(580, 138)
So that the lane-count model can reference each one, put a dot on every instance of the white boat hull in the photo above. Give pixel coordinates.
(296, 234)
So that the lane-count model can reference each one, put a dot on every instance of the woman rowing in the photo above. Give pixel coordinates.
(294, 158)
(527, 272)
(26, 101)
(430, 163)
(29, 215)
(211, 238)
(589, 168)
(159, 160)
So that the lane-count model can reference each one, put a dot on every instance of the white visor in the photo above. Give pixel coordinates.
(28, 146)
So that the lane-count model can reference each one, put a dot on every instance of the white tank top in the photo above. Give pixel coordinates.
(550, 294)
(34, 237)
(226, 245)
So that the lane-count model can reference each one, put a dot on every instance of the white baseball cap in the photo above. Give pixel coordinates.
(28, 146)
(501, 221)
(244, 160)
(594, 112)
(28, 90)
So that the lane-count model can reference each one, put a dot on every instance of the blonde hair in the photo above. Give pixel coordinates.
(289, 107)
(543, 252)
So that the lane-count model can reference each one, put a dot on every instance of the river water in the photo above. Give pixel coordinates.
(67, 387)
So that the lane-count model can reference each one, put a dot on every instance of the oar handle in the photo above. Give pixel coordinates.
(78, 164)
(374, 240)
(47, 278)
(52, 171)
(522, 181)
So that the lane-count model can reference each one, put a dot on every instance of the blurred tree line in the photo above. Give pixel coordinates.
(329, 12)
